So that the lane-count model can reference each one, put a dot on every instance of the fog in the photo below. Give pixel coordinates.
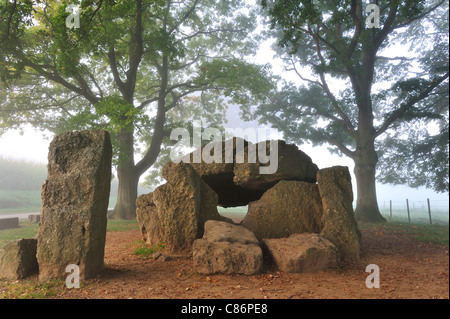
(33, 145)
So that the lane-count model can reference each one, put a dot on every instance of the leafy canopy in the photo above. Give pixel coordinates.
(358, 84)
(131, 65)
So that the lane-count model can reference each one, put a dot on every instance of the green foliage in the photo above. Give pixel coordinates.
(352, 87)
(145, 250)
(416, 158)
(127, 63)
(412, 154)
(119, 113)
(30, 289)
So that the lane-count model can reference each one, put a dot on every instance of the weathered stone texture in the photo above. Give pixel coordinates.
(339, 224)
(74, 204)
(287, 208)
(227, 249)
(301, 253)
(219, 175)
(292, 164)
(174, 214)
(18, 259)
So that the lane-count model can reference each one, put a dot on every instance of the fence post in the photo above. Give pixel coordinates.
(407, 208)
(429, 210)
(390, 209)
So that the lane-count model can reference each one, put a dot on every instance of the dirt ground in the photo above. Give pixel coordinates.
(408, 269)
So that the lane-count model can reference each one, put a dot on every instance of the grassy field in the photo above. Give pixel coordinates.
(417, 215)
(425, 233)
(18, 201)
(14, 201)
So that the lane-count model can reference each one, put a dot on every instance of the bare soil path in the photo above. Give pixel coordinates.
(408, 269)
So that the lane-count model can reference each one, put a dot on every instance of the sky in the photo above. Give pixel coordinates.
(33, 145)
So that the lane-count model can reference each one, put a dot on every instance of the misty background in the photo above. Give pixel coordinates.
(23, 160)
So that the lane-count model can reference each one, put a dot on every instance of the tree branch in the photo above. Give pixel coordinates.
(113, 65)
(407, 105)
(331, 96)
(340, 146)
(387, 27)
(356, 14)
(420, 16)
(136, 52)
(185, 16)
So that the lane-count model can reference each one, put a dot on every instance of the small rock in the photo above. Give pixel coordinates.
(228, 249)
(18, 259)
(301, 253)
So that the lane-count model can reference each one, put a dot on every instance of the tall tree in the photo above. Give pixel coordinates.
(129, 67)
(416, 152)
(343, 60)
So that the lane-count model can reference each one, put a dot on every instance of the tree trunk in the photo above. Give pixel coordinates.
(126, 198)
(365, 167)
(128, 179)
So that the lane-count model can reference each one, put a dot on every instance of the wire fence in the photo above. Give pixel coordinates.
(416, 211)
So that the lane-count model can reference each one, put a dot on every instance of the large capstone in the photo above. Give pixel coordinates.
(74, 205)
(214, 162)
(269, 162)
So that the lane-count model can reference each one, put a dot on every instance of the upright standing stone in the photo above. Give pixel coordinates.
(288, 208)
(174, 214)
(339, 224)
(74, 204)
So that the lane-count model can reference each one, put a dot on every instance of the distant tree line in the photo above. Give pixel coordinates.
(21, 174)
